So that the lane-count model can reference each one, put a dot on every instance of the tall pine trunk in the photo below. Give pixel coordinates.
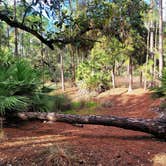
(113, 76)
(160, 37)
(22, 44)
(147, 60)
(15, 31)
(8, 36)
(156, 48)
(152, 37)
(62, 72)
(73, 66)
(130, 75)
(141, 78)
(42, 57)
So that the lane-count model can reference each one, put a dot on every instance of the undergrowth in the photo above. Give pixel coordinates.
(159, 92)
(82, 108)
(22, 88)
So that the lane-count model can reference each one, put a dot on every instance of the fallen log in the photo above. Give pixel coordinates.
(156, 127)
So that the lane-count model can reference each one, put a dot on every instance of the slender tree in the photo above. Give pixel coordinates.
(160, 37)
(156, 49)
(8, 36)
(151, 35)
(62, 71)
(113, 75)
(15, 30)
(130, 74)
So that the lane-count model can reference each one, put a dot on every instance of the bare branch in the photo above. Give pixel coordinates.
(49, 42)
(16, 24)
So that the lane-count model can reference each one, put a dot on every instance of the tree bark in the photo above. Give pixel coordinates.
(156, 127)
(141, 79)
(15, 31)
(160, 38)
(156, 49)
(147, 60)
(42, 60)
(152, 30)
(62, 73)
(73, 65)
(130, 75)
(22, 44)
(113, 76)
(151, 46)
(8, 36)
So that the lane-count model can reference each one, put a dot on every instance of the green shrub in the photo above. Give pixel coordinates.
(83, 104)
(61, 103)
(161, 91)
(82, 107)
(21, 88)
(95, 73)
(90, 76)
(163, 106)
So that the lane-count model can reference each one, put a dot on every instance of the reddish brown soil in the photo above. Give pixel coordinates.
(48, 144)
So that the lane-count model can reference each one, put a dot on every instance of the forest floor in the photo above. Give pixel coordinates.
(47, 144)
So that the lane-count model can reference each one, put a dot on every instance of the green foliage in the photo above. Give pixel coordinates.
(161, 91)
(163, 106)
(82, 107)
(83, 104)
(21, 88)
(61, 103)
(117, 26)
(91, 76)
(13, 103)
(96, 71)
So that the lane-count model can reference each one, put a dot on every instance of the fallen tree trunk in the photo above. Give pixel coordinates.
(156, 127)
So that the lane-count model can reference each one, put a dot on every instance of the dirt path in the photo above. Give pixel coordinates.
(48, 144)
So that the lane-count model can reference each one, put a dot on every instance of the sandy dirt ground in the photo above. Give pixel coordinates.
(37, 143)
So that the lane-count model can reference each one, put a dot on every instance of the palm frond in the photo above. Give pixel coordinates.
(13, 103)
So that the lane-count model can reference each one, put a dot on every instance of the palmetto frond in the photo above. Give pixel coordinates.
(13, 103)
(18, 84)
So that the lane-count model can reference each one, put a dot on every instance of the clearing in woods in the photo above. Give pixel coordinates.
(38, 143)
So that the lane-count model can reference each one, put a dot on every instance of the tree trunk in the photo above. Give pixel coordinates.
(156, 127)
(62, 72)
(113, 76)
(73, 67)
(141, 78)
(42, 60)
(8, 36)
(147, 60)
(51, 68)
(160, 37)
(156, 48)
(130, 75)
(0, 40)
(15, 32)
(151, 30)
(22, 44)
(151, 46)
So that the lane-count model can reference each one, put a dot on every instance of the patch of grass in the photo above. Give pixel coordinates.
(61, 103)
(106, 104)
(83, 104)
(74, 112)
(82, 108)
(81, 112)
(162, 107)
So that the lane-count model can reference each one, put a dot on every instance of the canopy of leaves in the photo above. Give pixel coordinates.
(61, 22)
